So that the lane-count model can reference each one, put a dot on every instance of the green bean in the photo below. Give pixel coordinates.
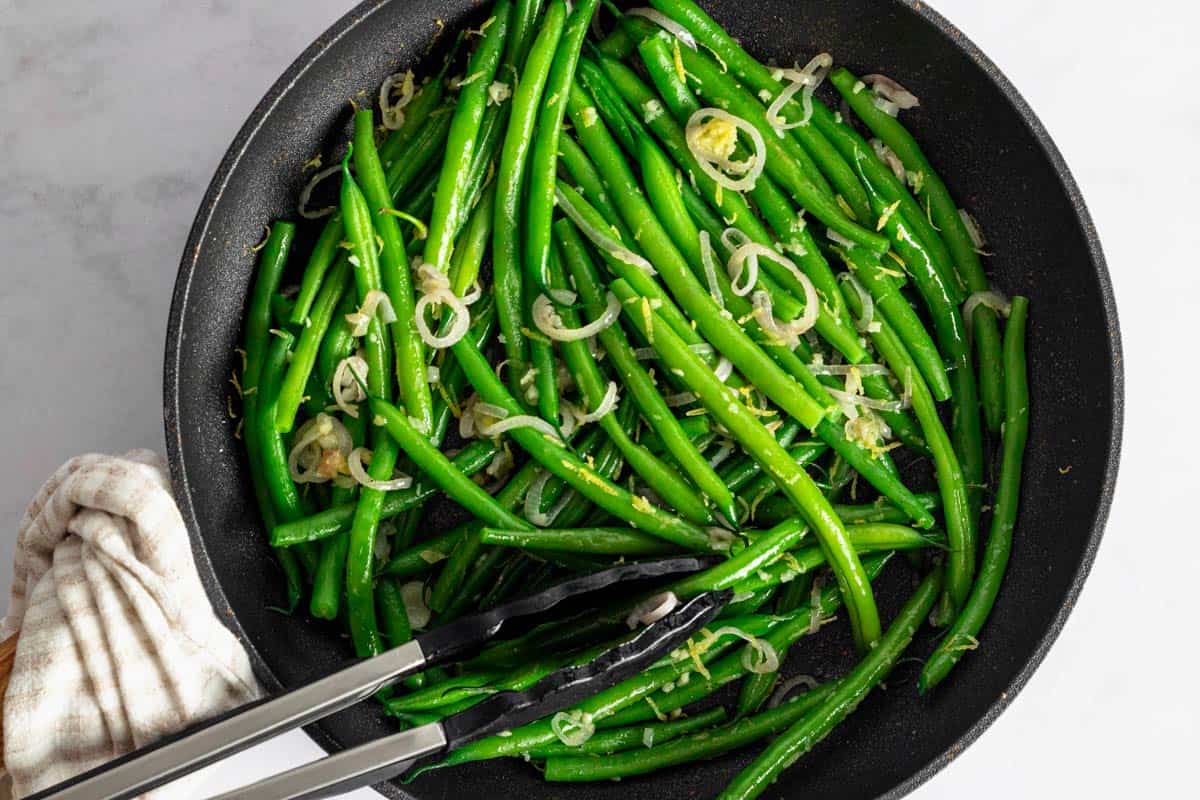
(439, 469)
(685, 750)
(392, 612)
(810, 729)
(866, 537)
(506, 268)
(304, 356)
(597, 541)
(764, 549)
(963, 633)
(285, 499)
(336, 519)
(461, 140)
(562, 462)
(421, 153)
(407, 346)
(339, 341)
(360, 233)
(956, 507)
(631, 738)
(256, 343)
(695, 428)
(946, 214)
(421, 557)
(778, 508)
(918, 262)
(757, 440)
(543, 160)
(589, 185)
(757, 688)
(482, 575)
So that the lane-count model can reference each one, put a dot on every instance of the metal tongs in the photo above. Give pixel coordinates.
(389, 756)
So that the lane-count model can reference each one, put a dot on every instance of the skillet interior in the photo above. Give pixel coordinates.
(999, 163)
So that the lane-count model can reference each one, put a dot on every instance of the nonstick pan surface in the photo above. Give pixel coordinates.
(999, 163)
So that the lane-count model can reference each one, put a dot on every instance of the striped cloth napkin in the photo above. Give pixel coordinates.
(118, 644)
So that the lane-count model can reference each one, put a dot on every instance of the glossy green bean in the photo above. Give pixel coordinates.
(805, 733)
(764, 549)
(965, 629)
(595, 541)
(304, 355)
(462, 138)
(507, 277)
(407, 346)
(633, 740)
(685, 750)
(543, 160)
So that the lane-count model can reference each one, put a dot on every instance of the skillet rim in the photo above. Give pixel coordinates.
(362, 13)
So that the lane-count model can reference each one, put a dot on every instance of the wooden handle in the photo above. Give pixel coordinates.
(8, 652)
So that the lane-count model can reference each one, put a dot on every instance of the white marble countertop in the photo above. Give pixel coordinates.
(115, 115)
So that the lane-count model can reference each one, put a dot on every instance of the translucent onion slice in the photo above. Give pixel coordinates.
(607, 404)
(306, 194)
(991, 298)
(392, 111)
(786, 688)
(434, 288)
(547, 320)
(812, 301)
(890, 97)
(973, 229)
(865, 320)
(890, 158)
(652, 609)
(572, 728)
(723, 369)
(666, 23)
(359, 473)
(767, 659)
(493, 429)
(320, 449)
(376, 300)
(716, 164)
(346, 385)
(602, 239)
(412, 594)
(533, 503)
(806, 79)
(848, 398)
(709, 259)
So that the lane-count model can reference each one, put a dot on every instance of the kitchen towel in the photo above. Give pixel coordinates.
(118, 644)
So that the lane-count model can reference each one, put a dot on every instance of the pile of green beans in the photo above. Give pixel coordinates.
(548, 298)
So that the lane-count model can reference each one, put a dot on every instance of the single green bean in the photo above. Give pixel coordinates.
(507, 277)
(461, 140)
(304, 356)
(543, 160)
(597, 541)
(963, 633)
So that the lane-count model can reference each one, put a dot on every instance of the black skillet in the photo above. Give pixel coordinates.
(998, 161)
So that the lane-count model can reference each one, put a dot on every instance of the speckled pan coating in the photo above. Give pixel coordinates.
(998, 161)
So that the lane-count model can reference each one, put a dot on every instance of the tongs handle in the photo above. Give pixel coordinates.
(239, 729)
